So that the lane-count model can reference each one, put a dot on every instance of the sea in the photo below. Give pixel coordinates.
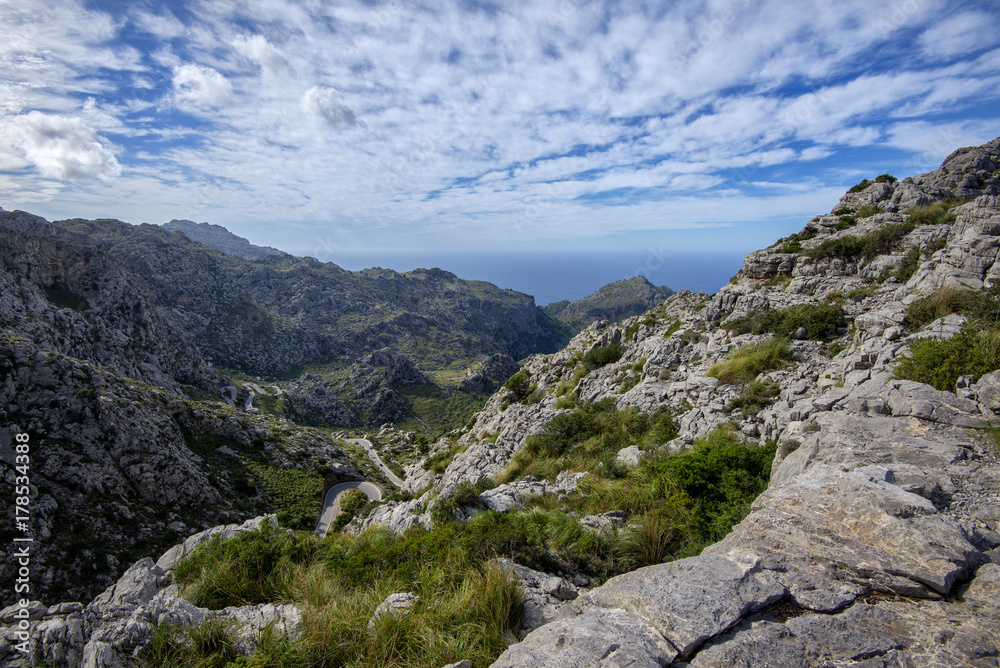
(572, 275)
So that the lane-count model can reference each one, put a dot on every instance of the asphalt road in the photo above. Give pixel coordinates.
(372, 455)
(331, 507)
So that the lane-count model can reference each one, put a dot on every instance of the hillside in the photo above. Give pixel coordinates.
(615, 301)
(797, 470)
(221, 239)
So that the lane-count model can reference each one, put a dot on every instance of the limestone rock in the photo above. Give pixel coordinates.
(598, 637)
(394, 605)
(690, 600)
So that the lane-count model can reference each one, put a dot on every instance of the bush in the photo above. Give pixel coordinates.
(598, 357)
(937, 213)
(981, 306)
(908, 266)
(820, 320)
(879, 242)
(747, 362)
(588, 438)
(941, 362)
(868, 210)
(518, 385)
(755, 397)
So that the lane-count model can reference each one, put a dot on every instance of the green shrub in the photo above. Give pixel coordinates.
(747, 362)
(843, 211)
(845, 247)
(755, 397)
(879, 242)
(981, 306)
(941, 362)
(676, 325)
(937, 213)
(598, 357)
(868, 210)
(860, 186)
(519, 385)
(587, 439)
(909, 265)
(793, 246)
(820, 320)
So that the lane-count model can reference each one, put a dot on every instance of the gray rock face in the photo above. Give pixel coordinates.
(394, 604)
(691, 600)
(119, 622)
(597, 637)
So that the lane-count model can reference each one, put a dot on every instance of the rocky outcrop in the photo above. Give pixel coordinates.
(220, 239)
(117, 624)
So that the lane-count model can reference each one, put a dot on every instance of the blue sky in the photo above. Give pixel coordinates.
(337, 129)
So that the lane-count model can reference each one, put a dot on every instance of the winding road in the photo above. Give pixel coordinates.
(372, 455)
(331, 507)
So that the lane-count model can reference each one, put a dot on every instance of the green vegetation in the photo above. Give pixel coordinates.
(937, 213)
(879, 242)
(466, 605)
(909, 265)
(437, 408)
(747, 362)
(598, 357)
(351, 502)
(756, 395)
(674, 326)
(518, 385)
(674, 505)
(820, 320)
(868, 210)
(296, 495)
(941, 362)
(439, 461)
(980, 306)
(865, 182)
(587, 440)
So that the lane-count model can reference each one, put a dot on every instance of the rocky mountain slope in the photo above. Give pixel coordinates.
(221, 239)
(112, 338)
(615, 301)
(876, 542)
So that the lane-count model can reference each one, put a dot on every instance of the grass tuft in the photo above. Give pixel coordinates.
(747, 362)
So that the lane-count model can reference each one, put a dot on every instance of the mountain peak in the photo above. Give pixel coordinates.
(221, 239)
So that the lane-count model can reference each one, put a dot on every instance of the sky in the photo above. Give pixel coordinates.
(354, 131)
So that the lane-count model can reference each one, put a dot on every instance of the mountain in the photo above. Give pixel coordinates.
(117, 338)
(615, 301)
(221, 239)
(797, 470)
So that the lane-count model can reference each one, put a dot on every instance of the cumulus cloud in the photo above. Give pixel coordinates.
(262, 52)
(325, 103)
(63, 147)
(201, 86)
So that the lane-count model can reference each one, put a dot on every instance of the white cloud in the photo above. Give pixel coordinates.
(962, 33)
(265, 54)
(325, 103)
(200, 86)
(63, 147)
(164, 26)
